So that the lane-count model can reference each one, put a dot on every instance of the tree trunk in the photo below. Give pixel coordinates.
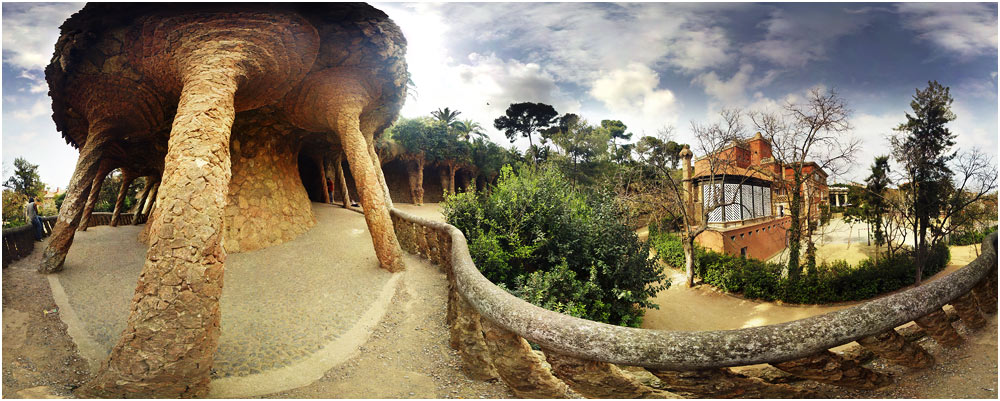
(120, 200)
(87, 166)
(168, 346)
(689, 261)
(795, 229)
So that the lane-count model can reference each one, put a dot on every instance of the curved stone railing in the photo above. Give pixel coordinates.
(18, 242)
(489, 327)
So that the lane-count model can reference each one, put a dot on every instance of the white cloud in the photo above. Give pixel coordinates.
(732, 91)
(30, 31)
(632, 94)
(965, 29)
(40, 108)
(797, 36)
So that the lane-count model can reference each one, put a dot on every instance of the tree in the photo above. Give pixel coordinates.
(447, 116)
(466, 128)
(923, 148)
(816, 130)
(25, 180)
(874, 199)
(615, 129)
(526, 119)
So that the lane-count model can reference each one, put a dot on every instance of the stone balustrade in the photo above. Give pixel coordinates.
(491, 330)
(104, 219)
(18, 242)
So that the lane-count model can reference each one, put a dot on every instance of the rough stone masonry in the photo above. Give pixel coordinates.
(213, 104)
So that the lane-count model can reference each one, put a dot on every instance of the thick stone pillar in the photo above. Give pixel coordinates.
(827, 367)
(894, 348)
(127, 179)
(599, 379)
(968, 309)
(519, 367)
(343, 181)
(938, 327)
(415, 175)
(77, 192)
(373, 197)
(95, 192)
(173, 327)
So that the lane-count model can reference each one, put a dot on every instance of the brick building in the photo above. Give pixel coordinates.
(744, 188)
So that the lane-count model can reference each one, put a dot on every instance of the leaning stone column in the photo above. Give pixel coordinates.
(372, 193)
(148, 207)
(343, 181)
(120, 201)
(173, 327)
(95, 192)
(938, 326)
(381, 175)
(827, 367)
(76, 194)
(142, 200)
(322, 176)
(894, 348)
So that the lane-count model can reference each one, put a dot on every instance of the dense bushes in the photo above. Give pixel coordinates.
(558, 247)
(971, 237)
(834, 282)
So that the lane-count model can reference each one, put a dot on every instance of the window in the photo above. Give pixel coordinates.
(733, 237)
(743, 252)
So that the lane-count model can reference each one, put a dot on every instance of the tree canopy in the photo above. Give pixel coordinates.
(25, 180)
(525, 120)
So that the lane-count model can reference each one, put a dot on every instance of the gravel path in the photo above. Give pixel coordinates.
(279, 304)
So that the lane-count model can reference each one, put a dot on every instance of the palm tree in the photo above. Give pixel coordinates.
(447, 116)
(467, 128)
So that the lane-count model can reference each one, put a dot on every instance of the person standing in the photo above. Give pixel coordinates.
(329, 189)
(31, 216)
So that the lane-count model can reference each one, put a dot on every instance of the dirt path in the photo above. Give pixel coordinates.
(39, 358)
(407, 355)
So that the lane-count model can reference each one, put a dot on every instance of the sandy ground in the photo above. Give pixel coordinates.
(39, 358)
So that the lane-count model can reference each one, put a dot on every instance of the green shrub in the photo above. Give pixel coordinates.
(971, 237)
(558, 247)
(826, 283)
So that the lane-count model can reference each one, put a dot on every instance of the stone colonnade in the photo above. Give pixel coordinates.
(213, 105)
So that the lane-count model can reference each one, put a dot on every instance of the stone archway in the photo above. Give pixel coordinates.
(312, 180)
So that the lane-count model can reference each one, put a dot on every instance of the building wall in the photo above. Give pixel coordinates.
(762, 240)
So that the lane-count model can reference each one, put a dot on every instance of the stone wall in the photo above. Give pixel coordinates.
(267, 203)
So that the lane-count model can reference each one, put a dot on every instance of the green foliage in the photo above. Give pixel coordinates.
(557, 246)
(13, 208)
(59, 200)
(25, 180)
(824, 283)
(526, 119)
(971, 237)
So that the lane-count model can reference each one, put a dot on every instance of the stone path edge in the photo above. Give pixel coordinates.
(85, 344)
(314, 366)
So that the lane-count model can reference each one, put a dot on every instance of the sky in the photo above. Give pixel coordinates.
(651, 65)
